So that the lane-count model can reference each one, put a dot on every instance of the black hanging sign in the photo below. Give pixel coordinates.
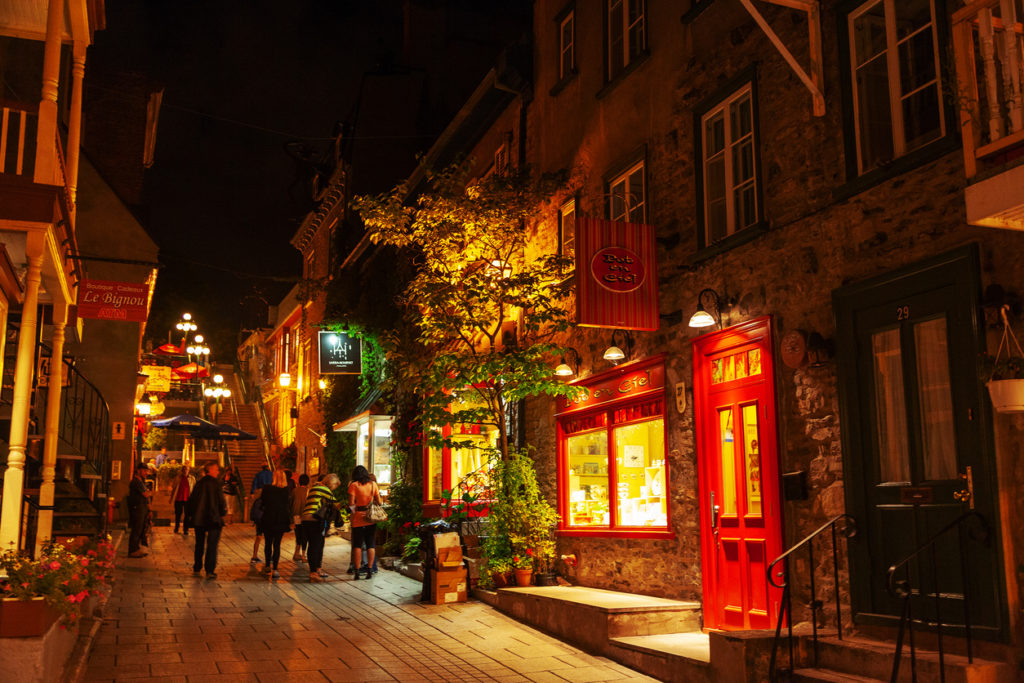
(340, 354)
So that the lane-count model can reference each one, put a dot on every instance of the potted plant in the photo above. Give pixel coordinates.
(1003, 373)
(522, 568)
(38, 592)
(498, 570)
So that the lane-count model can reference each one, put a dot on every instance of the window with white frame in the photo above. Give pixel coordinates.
(626, 198)
(894, 63)
(627, 34)
(567, 45)
(567, 229)
(729, 171)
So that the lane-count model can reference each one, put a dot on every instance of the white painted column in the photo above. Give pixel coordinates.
(75, 119)
(24, 368)
(46, 137)
(44, 530)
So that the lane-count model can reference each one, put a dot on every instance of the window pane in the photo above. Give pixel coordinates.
(934, 389)
(727, 439)
(714, 135)
(618, 204)
(911, 15)
(567, 46)
(615, 38)
(636, 195)
(890, 406)
(636, 27)
(745, 206)
(869, 37)
(640, 463)
(921, 122)
(471, 464)
(752, 459)
(917, 61)
(874, 114)
(742, 121)
(568, 218)
(434, 475)
(743, 162)
(588, 479)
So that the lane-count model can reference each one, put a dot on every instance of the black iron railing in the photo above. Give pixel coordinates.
(903, 588)
(844, 524)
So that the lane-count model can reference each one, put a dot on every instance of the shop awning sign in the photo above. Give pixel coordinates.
(109, 300)
(158, 377)
(340, 354)
(616, 275)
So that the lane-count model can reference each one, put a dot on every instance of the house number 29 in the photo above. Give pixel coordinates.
(902, 312)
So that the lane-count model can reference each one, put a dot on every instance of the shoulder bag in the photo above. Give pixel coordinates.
(375, 512)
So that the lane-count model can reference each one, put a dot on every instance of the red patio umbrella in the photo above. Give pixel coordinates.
(169, 350)
(190, 371)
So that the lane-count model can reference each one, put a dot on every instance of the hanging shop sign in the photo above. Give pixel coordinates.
(158, 377)
(628, 381)
(616, 275)
(340, 354)
(108, 300)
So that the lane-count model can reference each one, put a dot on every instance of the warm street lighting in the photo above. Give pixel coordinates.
(322, 383)
(701, 318)
(284, 379)
(144, 406)
(185, 324)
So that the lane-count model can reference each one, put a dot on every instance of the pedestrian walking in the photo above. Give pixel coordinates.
(231, 485)
(262, 478)
(277, 514)
(362, 490)
(207, 507)
(298, 503)
(138, 510)
(256, 517)
(180, 490)
(320, 510)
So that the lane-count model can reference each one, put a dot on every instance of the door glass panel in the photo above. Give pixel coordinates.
(890, 412)
(588, 479)
(434, 476)
(936, 401)
(640, 464)
(727, 439)
(752, 459)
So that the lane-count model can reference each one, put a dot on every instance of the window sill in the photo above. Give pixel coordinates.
(903, 164)
(731, 242)
(653, 535)
(560, 86)
(640, 60)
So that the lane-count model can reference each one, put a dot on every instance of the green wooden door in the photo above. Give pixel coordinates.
(914, 422)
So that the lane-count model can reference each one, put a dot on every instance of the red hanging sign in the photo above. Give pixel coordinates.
(616, 275)
(108, 300)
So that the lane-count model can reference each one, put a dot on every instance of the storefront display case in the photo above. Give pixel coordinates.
(373, 445)
(464, 469)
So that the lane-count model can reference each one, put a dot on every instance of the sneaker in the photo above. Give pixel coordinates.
(266, 569)
(276, 574)
(212, 575)
(350, 570)
(138, 553)
(254, 560)
(356, 576)
(196, 572)
(315, 578)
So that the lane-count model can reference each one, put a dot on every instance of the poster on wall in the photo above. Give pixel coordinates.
(339, 353)
(158, 377)
(616, 275)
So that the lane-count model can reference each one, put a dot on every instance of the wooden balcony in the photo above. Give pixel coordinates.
(989, 48)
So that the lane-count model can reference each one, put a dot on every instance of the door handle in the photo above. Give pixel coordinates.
(714, 512)
(966, 494)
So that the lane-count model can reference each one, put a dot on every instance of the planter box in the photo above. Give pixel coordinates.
(26, 618)
(1007, 395)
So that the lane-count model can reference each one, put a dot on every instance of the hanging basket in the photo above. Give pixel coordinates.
(1007, 395)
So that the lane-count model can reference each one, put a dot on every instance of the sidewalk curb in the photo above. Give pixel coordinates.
(74, 670)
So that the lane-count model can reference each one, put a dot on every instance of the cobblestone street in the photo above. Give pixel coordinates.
(163, 624)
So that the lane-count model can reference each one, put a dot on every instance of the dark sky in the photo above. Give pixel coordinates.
(243, 82)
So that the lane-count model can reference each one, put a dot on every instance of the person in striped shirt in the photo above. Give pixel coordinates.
(315, 528)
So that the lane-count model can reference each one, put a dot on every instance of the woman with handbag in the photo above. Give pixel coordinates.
(277, 517)
(365, 502)
(321, 508)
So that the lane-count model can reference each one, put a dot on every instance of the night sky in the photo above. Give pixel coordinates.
(246, 86)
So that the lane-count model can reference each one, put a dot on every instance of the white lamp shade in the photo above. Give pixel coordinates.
(564, 370)
(701, 319)
(613, 353)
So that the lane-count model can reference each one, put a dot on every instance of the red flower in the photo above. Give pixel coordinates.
(529, 551)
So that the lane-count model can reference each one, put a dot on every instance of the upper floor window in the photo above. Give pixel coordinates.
(567, 229)
(729, 170)
(626, 198)
(310, 265)
(567, 45)
(894, 63)
(627, 34)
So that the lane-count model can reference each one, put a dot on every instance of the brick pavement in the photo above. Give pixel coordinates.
(163, 624)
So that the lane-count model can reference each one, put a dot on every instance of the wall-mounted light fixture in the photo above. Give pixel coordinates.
(701, 318)
(322, 383)
(284, 379)
(614, 353)
(144, 406)
(564, 369)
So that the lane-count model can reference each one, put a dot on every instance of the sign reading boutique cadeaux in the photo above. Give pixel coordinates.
(108, 300)
(616, 275)
(339, 354)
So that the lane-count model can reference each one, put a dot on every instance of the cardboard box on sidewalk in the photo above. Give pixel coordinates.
(448, 550)
(449, 585)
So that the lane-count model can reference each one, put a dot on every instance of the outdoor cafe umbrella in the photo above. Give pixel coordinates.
(232, 433)
(193, 427)
(190, 371)
(169, 350)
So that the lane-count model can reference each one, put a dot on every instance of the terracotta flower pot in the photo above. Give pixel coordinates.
(26, 618)
(524, 577)
(500, 579)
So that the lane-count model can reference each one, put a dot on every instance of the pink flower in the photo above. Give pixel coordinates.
(84, 562)
(55, 565)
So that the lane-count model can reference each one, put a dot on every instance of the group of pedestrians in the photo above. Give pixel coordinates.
(203, 506)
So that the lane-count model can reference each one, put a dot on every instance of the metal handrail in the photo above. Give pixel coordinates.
(849, 530)
(902, 588)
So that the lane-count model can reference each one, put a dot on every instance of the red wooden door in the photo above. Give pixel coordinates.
(738, 469)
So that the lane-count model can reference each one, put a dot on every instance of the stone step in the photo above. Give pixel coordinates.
(874, 659)
(692, 645)
(829, 676)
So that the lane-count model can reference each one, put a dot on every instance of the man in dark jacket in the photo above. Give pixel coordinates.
(138, 510)
(262, 478)
(207, 507)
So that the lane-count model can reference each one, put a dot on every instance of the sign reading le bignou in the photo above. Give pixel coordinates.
(108, 300)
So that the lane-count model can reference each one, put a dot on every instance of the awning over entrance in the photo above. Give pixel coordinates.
(373, 435)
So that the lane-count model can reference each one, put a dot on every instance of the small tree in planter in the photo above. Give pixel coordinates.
(1004, 374)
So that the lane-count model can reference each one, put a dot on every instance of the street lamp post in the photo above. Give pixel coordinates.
(217, 391)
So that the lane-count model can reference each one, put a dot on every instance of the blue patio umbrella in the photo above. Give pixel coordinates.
(195, 426)
(232, 433)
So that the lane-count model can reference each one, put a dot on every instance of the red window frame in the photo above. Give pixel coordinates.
(610, 398)
(432, 507)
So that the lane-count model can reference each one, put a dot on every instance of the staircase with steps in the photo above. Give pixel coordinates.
(248, 456)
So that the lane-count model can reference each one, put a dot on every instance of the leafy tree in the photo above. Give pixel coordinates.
(486, 310)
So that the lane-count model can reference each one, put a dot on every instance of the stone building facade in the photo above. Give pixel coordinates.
(834, 236)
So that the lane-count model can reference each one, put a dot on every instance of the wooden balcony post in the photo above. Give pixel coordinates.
(46, 135)
(75, 120)
(44, 530)
(24, 368)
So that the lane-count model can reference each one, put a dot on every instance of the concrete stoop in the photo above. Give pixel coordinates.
(862, 659)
